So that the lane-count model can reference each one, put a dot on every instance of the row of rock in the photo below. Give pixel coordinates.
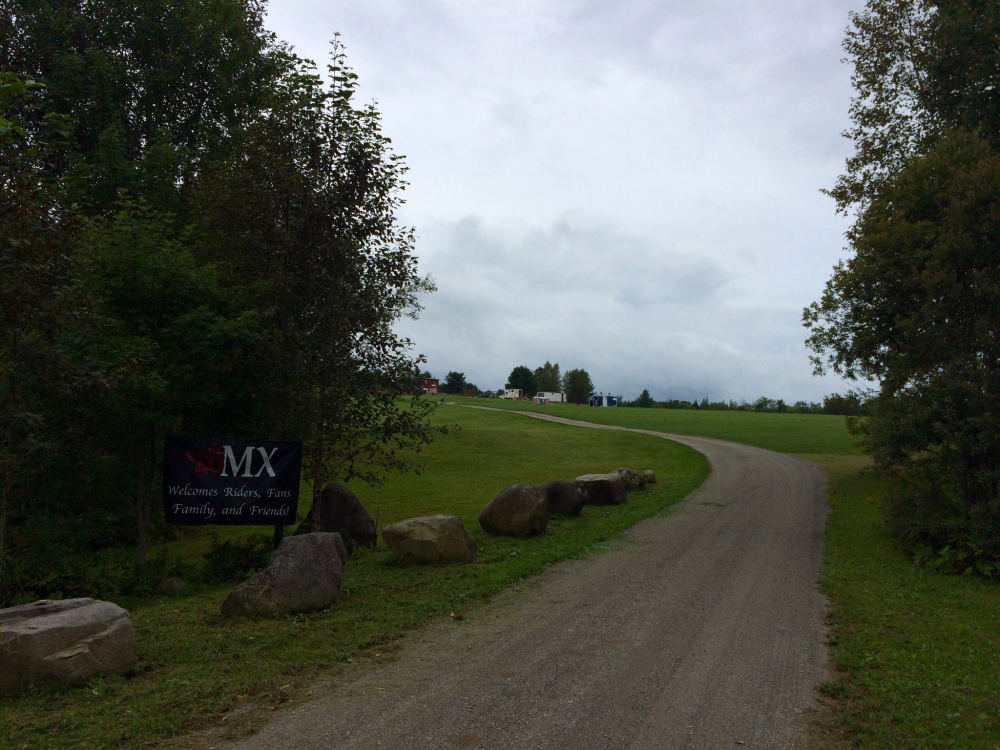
(71, 640)
(518, 510)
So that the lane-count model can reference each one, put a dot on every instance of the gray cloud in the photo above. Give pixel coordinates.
(630, 187)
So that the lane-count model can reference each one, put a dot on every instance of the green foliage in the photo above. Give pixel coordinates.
(257, 298)
(547, 377)
(454, 383)
(522, 377)
(644, 400)
(577, 386)
(232, 561)
(914, 309)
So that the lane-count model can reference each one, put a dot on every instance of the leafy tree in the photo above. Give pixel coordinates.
(454, 383)
(577, 386)
(523, 378)
(38, 291)
(304, 221)
(644, 400)
(913, 310)
(547, 377)
(258, 298)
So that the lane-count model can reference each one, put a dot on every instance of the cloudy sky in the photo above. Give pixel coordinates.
(628, 187)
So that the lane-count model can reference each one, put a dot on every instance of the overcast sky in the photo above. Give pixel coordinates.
(629, 187)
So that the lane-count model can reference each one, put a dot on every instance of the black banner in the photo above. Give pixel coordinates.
(230, 482)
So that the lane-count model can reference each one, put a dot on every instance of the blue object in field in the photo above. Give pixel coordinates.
(604, 401)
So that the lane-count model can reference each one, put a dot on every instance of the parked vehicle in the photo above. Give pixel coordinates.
(514, 393)
(552, 397)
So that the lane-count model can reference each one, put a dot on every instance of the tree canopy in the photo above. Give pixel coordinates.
(577, 386)
(522, 377)
(915, 307)
(198, 234)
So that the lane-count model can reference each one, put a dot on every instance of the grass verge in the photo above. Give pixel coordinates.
(916, 651)
(199, 677)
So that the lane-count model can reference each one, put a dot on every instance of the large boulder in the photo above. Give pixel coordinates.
(632, 478)
(564, 498)
(440, 538)
(603, 489)
(303, 575)
(339, 510)
(517, 510)
(648, 476)
(63, 641)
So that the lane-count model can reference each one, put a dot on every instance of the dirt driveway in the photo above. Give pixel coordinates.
(702, 630)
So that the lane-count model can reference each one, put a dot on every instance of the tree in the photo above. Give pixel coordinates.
(259, 296)
(454, 383)
(523, 378)
(547, 377)
(305, 221)
(645, 400)
(38, 292)
(914, 309)
(577, 386)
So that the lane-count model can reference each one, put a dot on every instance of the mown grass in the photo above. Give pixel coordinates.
(916, 652)
(785, 433)
(200, 677)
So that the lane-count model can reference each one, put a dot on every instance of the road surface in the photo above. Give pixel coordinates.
(702, 630)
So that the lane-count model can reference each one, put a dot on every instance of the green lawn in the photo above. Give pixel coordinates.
(917, 652)
(199, 676)
(785, 433)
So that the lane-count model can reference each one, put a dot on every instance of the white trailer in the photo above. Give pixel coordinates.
(552, 396)
(515, 393)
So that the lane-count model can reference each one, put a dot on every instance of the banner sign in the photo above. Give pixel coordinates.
(230, 482)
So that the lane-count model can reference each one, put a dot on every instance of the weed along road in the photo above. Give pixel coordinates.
(702, 629)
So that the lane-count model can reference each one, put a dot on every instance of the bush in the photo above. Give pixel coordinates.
(232, 562)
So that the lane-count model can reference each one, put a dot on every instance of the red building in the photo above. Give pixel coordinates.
(430, 386)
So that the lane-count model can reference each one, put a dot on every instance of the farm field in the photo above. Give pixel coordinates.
(916, 651)
(785, 433)
(200, 677)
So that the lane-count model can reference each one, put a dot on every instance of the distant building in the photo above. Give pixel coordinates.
(430, 386)
(551, 396)
(604, 401)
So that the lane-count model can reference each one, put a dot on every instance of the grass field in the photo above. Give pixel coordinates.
(200, 677)
(916, 652)
(785, 433)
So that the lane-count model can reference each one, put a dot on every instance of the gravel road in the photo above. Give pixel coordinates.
(702, 630)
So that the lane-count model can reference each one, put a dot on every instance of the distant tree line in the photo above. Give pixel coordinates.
(197, 235)
(575, 385)
(850, 405)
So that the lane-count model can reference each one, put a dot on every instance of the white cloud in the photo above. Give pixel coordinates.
(629, 187)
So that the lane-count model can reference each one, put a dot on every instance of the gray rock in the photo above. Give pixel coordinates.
(564, 498)
(304, 575)
(517, 510)
(631, 478)
(435, 539)
(603, 489)
(64, 641)
(172, 586)
(339, 510)
(648, 476)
